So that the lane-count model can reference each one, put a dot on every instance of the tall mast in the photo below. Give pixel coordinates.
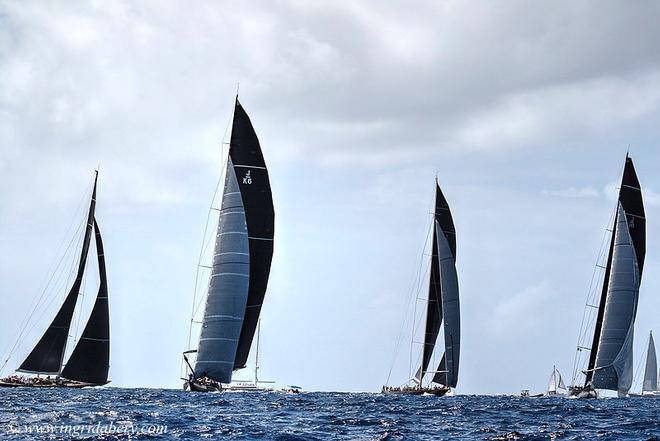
(256, 361)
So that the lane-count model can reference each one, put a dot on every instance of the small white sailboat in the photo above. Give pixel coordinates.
(650, 383)
(556, 383)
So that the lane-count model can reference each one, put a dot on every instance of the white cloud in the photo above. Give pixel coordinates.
(573, 192)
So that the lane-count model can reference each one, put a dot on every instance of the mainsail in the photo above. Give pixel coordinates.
(89, 361)
(610, 363)
(242, 258)
(443, 301)
(650, 383)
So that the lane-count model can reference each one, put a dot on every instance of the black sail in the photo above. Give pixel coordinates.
(440, 376)
(443, 224)
(250, 168)
(48, 354)
(630, 198)
(90, 360)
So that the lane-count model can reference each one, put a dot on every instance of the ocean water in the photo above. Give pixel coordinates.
(113, 413)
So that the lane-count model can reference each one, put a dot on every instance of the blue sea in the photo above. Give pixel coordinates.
(113, 413)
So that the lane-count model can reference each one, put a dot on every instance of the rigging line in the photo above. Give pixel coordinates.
(68, 282)
(54, 265)
(201, 252)
(592, 295)
(413, 295)
(23, 329)
(416, 288)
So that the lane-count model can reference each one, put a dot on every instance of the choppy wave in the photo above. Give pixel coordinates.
(168, 414)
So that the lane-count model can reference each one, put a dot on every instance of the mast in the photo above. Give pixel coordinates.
(47, 356)
(630, 200)
(256, 360)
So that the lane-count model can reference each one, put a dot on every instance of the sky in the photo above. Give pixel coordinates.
(524, 112)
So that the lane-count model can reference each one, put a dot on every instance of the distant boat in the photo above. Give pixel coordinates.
(89, 362)
(241, 263)
(610, 363)
(556, 383)
(442, 305)
(650, 382)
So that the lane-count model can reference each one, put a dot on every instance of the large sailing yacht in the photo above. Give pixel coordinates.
(241, 264)
(610, 364)
(442, 306)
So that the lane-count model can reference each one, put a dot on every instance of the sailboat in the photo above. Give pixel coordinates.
(556, 382)
(442, 306)
(241, 263)
(650, 382)
(610, 363)
(89, 362)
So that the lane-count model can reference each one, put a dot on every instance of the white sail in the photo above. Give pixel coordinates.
(556, 382)
(651, 371)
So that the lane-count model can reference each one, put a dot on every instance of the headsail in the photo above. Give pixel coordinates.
(630, 200)
(241, 263)
(651, 370)
(228, 288)
(451, 308)
(614, 364)
(48, 354)
(90, 360)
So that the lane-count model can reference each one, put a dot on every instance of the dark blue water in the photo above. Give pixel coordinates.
(167, 414)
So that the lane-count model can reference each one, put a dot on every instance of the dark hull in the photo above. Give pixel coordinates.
(438, 392)
(582, 392)
(66, 385)
(194, 386)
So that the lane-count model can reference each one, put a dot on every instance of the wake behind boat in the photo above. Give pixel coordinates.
(241, 264)
(89, 362)
(610, 363)
(442, 306)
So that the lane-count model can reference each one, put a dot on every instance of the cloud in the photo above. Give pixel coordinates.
(358, 105)
(573, 192)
